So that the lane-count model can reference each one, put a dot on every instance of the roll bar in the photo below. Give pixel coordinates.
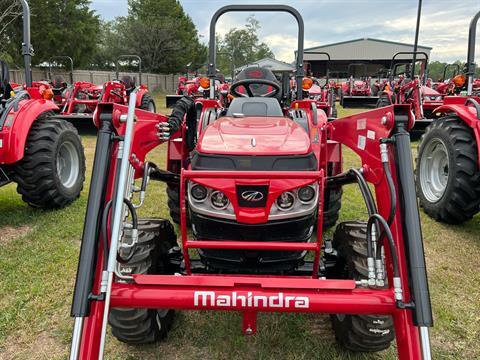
(243, 8)
(136, 57)
(472, 35)
(320, 53)
(60, 57)
(27, 49)
(455, 72)
(406, 61)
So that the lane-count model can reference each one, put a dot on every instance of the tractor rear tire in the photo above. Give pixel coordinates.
(52, 171)
(358, 333)
(447, 175)
(333, 203)
(156, 238)
(148, 104)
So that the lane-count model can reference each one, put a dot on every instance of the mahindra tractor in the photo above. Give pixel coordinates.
(252, 183)
(200, 87)
(144, 99)
(357, 91)
(321, 90)
(448, 162)
(405, 87)
(43, 155)
(58, 83)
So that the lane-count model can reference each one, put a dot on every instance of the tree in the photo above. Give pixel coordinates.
(159, 32)
(9, 12)
(241, 46)
(58, 27)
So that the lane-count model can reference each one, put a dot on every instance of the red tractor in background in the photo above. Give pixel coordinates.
(200, 87)
(405, 88)
(43, 155)
(251, 180)
(357, 91)
(323, 94)
(144, 99)
(448, 162)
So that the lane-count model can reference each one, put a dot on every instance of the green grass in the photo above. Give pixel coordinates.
(38, 260)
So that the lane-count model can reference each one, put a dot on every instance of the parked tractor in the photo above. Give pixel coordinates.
(252, 184)
(357, 91)
(322, 90)
(448, 163)
(407, 88)
(144, 99)
(43, 155)
(200, 87)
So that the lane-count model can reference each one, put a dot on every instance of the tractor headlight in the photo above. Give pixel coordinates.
(219, 200)
(306, 194)
(285, 201)
(199, 192)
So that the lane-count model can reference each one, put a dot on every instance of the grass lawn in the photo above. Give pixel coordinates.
(38, 260)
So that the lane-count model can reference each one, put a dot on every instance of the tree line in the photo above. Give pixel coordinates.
(159, 31)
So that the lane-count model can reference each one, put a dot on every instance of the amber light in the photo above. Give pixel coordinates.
(307, 83)
(205, 82)
(459, 80)
(47, 94)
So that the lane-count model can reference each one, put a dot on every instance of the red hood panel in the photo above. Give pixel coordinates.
(254, 136)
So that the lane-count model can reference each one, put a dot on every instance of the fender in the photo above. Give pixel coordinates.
(15, 132)
(456, 105)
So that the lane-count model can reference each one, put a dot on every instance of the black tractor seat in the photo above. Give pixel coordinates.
(255, 106)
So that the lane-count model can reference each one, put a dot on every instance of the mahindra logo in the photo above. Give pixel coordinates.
(252, 195)
(210, 298)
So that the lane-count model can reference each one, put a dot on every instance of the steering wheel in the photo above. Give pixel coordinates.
(249, 82)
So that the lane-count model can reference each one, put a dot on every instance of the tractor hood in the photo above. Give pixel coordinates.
(427, 91)
(254, 136)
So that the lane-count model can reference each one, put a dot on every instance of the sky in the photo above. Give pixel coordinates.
(444, 23)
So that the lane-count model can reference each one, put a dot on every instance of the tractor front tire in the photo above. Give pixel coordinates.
(156, 238)
(173, 194)
(333, 203)
(52, 171)
(148, 104)
(447, 175)
(334, 112)
(358, 333)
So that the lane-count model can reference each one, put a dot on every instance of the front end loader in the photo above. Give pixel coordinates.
(254, 183)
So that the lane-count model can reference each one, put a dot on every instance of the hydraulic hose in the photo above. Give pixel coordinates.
(379, 219)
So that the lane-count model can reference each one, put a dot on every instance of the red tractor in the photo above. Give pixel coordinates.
(43, 155)
(448, 162)
(200, 87)
(406, 88)
(322, 90)
(357, 91)
(252, 181)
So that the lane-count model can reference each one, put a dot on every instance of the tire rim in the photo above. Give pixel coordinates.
(434, 170)
(68, 164)
(151, 106)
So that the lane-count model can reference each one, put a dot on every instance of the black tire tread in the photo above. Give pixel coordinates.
(35, 173)
(140, 326)
(146, 100)
(359, 333)
(333, 204)
(461, 200)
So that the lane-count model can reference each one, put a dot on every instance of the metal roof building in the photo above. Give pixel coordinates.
(374, 53)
